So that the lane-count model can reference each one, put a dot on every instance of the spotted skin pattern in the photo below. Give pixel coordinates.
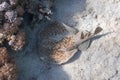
(58, 43)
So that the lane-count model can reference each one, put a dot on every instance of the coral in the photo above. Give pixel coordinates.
(40, 9)
(8, 68)
(11, 16)
(11, 34)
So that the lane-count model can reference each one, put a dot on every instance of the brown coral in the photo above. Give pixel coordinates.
(8, 69)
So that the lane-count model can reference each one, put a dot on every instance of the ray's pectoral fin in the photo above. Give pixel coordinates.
(70, 29)
(69, 55)
(84, 45)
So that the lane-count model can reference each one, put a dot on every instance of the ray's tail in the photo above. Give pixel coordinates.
(83, 38)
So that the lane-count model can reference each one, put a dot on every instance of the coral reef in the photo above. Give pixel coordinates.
(11, 32)
(10, 22)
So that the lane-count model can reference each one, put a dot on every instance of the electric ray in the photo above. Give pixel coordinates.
(58, 43)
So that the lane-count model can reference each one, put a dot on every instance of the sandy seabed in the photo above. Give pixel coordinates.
(99, 62)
